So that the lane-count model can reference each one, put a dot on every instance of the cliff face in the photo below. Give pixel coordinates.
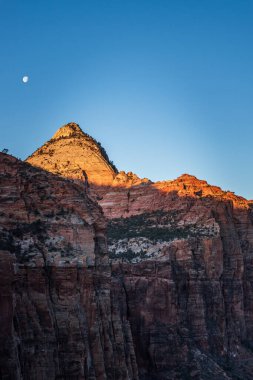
(145, 196)
(59, 318)
(175, 299)
(186, 251)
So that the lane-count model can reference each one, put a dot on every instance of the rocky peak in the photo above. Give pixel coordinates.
(74, 154)
(68, 130)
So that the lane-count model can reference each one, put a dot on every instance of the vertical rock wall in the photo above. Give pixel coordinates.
(59, 318)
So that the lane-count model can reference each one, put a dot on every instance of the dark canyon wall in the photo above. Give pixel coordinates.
(59, 317)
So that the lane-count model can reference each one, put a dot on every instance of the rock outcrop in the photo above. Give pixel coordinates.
(74, 154)
(144, 196)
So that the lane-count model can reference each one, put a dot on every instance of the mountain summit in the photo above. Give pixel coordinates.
(68, 130)
(74, 154)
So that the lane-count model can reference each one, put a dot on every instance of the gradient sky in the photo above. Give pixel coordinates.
(165, 86)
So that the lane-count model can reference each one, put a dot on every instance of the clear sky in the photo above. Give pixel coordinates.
(165, 85)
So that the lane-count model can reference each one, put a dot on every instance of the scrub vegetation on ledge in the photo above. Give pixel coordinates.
(155, 226)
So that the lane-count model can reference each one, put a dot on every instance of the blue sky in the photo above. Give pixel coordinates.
(165, 86)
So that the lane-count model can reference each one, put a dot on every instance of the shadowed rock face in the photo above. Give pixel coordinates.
(175, 300)
(59, 317)
(186, 251)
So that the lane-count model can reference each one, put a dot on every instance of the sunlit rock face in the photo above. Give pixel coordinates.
(145, 196)
(74, 154)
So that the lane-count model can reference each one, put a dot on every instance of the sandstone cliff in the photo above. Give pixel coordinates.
(186, 251)
(59, 318)
(176, 301)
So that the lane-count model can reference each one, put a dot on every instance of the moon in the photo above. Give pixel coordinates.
(25, 79)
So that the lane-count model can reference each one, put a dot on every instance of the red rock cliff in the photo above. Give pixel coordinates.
(59, 318)
(185, 249)
(180, 289)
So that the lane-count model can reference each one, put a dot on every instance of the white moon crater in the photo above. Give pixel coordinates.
(25, 79)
